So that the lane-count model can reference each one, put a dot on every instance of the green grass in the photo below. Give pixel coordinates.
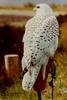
(15, 92)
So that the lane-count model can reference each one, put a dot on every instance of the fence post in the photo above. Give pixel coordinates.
(12, 65)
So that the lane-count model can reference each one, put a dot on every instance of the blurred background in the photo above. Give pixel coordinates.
(13, 16)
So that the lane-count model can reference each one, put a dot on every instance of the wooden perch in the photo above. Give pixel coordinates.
(39, 95)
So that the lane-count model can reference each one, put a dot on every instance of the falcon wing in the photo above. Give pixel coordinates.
(45, 40)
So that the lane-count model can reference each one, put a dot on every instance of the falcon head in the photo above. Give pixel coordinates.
(43, 9)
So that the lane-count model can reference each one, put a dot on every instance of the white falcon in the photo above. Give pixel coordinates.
(40, 43)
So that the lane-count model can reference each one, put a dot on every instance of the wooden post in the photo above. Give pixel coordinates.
(52, 92)
(12, 65)
(39, 95)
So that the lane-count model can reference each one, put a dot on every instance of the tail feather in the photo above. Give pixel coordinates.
(29, 79)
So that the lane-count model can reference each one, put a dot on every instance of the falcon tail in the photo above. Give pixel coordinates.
(30, 78)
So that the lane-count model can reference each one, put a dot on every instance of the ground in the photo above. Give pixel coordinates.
(15, 92)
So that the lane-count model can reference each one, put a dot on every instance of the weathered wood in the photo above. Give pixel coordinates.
(12, 65)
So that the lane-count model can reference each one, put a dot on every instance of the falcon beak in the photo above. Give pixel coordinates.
(34, 9)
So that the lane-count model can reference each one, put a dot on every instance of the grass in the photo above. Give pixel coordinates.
(15, 92)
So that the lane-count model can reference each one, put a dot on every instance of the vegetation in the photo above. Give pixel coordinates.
(28, 6)
(59, 7)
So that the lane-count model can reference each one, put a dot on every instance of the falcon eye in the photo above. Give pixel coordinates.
(38, 6)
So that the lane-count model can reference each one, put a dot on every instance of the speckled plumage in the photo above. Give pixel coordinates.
(40, 43)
